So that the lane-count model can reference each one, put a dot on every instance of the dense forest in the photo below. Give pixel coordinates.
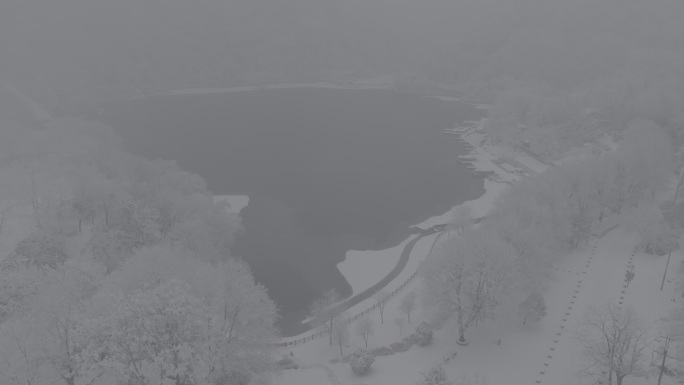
(116, 264)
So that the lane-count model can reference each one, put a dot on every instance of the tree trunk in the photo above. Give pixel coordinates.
(106, 212)
(461, 329)
(330, 330)
(365, 339)
(409, 317)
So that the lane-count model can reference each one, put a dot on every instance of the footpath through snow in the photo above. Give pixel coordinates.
(546, 353)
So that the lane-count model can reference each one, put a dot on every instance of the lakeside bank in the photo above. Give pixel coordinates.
(326, 171)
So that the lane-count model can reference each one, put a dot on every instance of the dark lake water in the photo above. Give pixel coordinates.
(326, 170)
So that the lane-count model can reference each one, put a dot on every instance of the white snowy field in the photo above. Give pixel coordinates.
(478, 207)
(587, 277)
(363, 269)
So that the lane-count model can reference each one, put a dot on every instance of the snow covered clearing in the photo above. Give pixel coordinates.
(363, 269)
(547, 351)
(478, 207)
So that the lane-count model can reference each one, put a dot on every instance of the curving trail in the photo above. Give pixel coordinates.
(587, 279)
(368, 293)
(401, 264)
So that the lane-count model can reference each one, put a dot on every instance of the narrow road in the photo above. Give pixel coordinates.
(587, 279)
(356, 299)
(401, 264)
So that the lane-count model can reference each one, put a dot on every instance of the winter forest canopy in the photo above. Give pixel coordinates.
(118, 268)
(126, 274)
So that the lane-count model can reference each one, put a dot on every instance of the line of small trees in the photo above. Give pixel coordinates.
(328, 315)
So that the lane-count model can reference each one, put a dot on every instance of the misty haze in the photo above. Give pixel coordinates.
(252, 192)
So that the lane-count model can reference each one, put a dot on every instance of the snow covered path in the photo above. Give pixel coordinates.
(545, 353)
(592, 276)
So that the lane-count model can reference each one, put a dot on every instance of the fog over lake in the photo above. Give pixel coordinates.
(326, 170)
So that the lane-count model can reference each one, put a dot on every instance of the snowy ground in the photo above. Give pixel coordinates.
(545, 353)
(588, 277)
(363, 269)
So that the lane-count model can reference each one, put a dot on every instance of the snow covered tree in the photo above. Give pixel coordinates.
(435, 376)
(110, 246)
(647, 153)
(655, 234)
(324, 311)
(365, 328)
(19, 283)
(613, 341)
(5, 211)
(341, 332)
(151, 336)
(533, 307)
(141, 221)
(381, 298)
(423, 334)
(468, 277)
(219, 322)
(408, 304)
(399, 321)
(43, 248)
(56, 319)
(674, 327)
(21, 355)
(534, 221)
(207, 231)
(361, 361)
(86, 185)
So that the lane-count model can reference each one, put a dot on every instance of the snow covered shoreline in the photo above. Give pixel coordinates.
(364, 268)
(379, 83)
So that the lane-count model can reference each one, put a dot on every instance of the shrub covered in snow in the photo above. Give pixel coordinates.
(435, 376)
(423, 334)
(399, 347)
(381, 351)
(533, 308)
(286, 363)
(361, 361)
